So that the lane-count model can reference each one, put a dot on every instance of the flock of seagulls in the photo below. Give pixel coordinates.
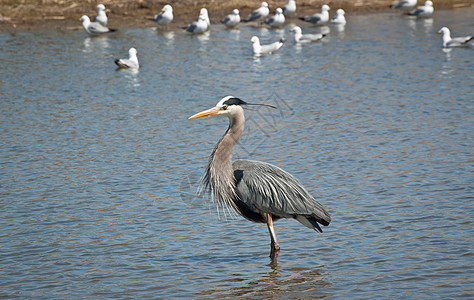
(261, 16)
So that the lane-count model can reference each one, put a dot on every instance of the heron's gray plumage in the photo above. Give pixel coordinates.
(263, 187)
(258, 191)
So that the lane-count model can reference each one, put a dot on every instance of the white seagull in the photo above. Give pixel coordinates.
(319, 18)
(299, 37)
(339, 17)
(232, 20)
(289, 9)
(165, 16)
(203, 12)
(404, 4)
(265, 49)
(94, 27)
(199, 26)
(259, 14)
(277, 20)
(131, 62)
(454, 42)
(423, 11)
(101, 15)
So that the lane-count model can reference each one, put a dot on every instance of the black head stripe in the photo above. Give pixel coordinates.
(234, 101)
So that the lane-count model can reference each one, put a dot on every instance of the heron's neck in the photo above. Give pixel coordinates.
(222, 154)
(219, 176)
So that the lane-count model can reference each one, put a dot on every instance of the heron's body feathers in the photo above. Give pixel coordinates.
(265, 188)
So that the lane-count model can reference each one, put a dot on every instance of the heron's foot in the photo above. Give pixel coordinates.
(274, 252)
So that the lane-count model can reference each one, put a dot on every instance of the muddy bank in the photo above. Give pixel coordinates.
(64, 14)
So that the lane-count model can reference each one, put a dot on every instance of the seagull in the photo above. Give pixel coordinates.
(299, 37)
(101, 15)
(404, 4)
(423, 11)
(232, 20)
(203, 12)
(199, 26)
(165, 16)
(94, 27)
(277, 20)
(259, 14)
(265, 49)
(131, 62)
(318, 18)
(449, 42)
(289, 9)
(339, 17)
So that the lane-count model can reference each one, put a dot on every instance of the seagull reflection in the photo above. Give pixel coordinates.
(96, 43)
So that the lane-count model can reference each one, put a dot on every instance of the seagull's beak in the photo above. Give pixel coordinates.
(206, 113)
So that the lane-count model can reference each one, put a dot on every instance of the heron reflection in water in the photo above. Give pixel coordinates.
(258, 191)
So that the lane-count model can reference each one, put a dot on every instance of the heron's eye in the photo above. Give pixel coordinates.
(224, 107)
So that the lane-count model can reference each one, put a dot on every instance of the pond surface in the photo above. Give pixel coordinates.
(99, 168)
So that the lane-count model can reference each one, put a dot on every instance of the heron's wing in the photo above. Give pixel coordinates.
(266, 188)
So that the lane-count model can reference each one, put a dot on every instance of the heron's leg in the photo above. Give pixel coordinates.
(275, 248)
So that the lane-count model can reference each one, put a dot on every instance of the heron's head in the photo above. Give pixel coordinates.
(226, 106)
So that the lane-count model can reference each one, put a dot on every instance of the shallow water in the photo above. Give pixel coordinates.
(99, 167)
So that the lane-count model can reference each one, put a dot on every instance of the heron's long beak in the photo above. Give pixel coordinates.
(206, 113)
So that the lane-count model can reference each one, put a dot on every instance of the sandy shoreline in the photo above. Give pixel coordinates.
(64, 14)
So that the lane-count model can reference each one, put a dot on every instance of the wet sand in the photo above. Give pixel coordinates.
(64, 15)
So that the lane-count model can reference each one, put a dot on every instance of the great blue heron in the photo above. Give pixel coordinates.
(258, 191)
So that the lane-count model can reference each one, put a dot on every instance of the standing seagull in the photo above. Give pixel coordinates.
(258, 191)
(259, 14)
(265, 49)
(318, 18)
(449, 42)
(339, 17)
(289, 9)
(423, 11)
(404, 4)
(299, 37)
(93, 27)
(232, 20)
(101, 15)
(277, 20)
(165, 16)
(131, 62)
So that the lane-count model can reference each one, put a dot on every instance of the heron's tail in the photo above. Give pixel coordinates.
(312, 222)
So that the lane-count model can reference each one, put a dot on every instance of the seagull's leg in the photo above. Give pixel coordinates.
(275, 248)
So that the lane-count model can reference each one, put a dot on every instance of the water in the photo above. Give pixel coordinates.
(99, 167)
